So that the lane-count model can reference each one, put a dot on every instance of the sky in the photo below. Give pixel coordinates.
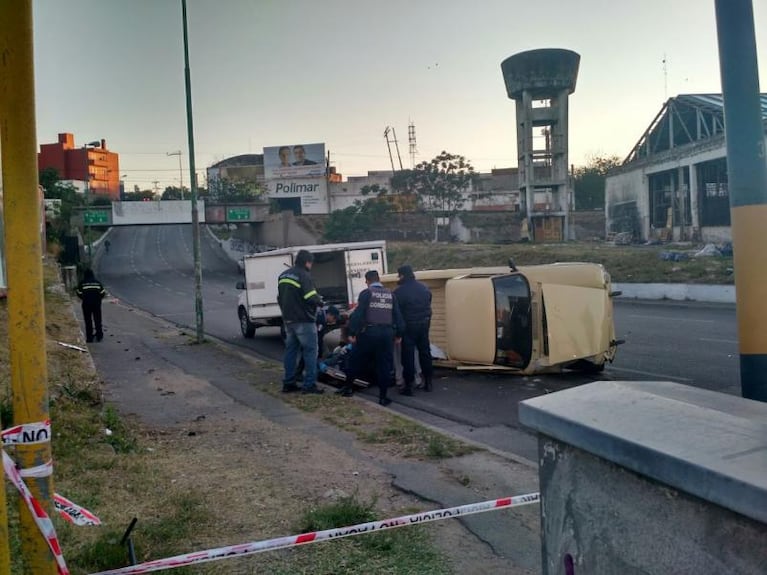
(275, 72)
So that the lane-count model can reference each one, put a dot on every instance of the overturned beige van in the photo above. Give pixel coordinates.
(527, 319)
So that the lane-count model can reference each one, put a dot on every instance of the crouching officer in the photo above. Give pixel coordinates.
(373, 326)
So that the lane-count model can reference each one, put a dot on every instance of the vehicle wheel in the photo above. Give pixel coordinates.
(247, 328)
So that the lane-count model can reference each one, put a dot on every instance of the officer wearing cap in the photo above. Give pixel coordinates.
(373, 327)
(298, 300)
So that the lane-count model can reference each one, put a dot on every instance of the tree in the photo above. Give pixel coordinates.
(441, 184)
(173, 193)
(225, 191)
(139, 195)
(589, 181)
(360, 221)
(54, 188)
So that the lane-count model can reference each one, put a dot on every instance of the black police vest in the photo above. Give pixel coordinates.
(380, 310)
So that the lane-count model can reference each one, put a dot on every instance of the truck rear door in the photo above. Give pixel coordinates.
(261, 273)
(359, 261)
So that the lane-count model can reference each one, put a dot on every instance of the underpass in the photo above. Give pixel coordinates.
(151, 267)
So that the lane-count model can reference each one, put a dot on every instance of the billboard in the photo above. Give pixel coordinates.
(303, 195)
(294, 161)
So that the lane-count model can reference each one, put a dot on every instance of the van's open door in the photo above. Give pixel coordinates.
(261, 274)
(575, 322)
(359, 261)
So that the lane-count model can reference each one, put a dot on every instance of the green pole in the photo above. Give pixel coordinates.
(193, 178)
(747, 173)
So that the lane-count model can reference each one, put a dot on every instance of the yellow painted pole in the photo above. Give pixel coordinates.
(26, 312)
(5, 548)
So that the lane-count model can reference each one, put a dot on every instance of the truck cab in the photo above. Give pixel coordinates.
(531, 319)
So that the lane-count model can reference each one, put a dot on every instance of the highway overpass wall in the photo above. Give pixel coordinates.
(652, 478)
(155, 212)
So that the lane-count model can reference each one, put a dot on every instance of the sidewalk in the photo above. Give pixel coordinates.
(153, 370)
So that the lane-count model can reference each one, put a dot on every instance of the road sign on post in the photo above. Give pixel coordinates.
(237, 214)
(96, 217)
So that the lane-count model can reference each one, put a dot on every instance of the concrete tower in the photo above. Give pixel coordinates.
(540, 82)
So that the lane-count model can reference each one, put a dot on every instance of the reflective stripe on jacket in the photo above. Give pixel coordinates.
(297, 296)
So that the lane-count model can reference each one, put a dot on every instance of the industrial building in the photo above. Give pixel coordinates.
(673, 184)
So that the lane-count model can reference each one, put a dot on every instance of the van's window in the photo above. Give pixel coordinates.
(513, 321)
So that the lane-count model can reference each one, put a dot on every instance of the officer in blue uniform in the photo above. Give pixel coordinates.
(91, 292)
(415, 303)
(373, 327)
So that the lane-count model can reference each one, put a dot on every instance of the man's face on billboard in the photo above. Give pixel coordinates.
(285, 156)
(299, 154)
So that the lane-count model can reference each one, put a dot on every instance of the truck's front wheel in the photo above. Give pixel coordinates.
(247, 328)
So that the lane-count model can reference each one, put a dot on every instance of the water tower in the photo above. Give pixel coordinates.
(540, 82)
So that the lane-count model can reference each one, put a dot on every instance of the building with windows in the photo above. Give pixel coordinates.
(673, 185)
(89, 167)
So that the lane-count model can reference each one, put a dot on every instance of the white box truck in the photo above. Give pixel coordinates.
(338, 273)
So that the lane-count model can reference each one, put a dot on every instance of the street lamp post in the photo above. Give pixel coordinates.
(193, 186)
(180, 171)
(86, 194)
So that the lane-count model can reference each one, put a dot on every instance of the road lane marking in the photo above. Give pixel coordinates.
(649, 373)
(663, 318)
(715, 340)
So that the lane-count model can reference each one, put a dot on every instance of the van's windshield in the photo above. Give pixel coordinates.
(513, 321)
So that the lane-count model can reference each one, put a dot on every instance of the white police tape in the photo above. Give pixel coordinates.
(314, 537)
(73, 513)
(31, 434)
(44, 523)
(27, 433)
(38, 472)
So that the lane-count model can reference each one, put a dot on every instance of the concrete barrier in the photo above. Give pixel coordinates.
(679, 292)
(652, 478)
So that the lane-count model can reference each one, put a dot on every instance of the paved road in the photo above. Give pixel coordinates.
(151, 267)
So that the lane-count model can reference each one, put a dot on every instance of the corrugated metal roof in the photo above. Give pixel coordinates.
(715, 102)
(684, 119)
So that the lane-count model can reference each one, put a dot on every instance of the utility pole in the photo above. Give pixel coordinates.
(180, 171)
(193, 176)
(747, 173)
(26, 310)
(156, 188)
(387, 131)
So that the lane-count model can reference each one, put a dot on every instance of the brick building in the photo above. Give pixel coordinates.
(91, 163)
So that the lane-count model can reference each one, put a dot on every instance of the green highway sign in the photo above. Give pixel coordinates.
(234, 214)
(99, 217)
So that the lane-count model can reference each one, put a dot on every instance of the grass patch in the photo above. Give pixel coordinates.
(110, 474)
(400, 437)
(403, 551)
(624, 263)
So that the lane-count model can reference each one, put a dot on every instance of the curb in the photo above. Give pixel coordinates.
(677, 292)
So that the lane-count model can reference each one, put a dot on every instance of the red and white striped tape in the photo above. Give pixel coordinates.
(41, 518)
(314, 537)
(73, 513)
(38, 472)
(27, 433)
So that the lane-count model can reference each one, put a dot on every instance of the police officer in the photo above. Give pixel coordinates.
(91, 292)
(373, 326)
(298, 302)
(414, 300)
